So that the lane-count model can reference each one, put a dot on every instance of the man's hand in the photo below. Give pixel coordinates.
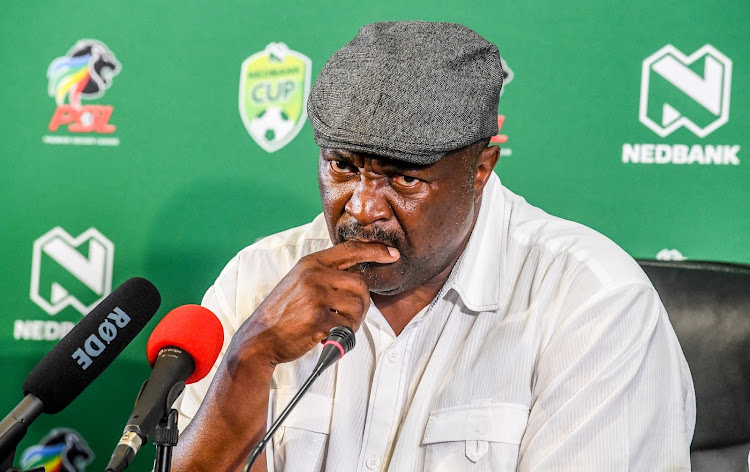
(316, 295)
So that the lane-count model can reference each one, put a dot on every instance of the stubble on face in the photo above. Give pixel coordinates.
(351, 230)
(429, 233)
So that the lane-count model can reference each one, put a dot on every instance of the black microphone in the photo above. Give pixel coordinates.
(340, 340)
(182, 349)
(81, 356)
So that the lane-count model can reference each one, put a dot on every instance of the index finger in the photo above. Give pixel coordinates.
(349, 253)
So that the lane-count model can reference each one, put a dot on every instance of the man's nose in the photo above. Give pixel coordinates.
(368, 203)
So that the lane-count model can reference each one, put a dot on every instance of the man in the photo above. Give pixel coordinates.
(490, 335)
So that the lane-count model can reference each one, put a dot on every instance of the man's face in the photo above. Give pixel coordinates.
(426, 212)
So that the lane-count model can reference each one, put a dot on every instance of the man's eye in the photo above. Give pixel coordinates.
(341, 166)
(406, 181)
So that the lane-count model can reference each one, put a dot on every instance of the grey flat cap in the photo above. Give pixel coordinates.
(409, 90)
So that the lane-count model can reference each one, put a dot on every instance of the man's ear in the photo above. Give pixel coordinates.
(484, 166)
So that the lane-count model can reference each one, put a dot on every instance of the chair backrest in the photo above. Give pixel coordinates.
(709, 306)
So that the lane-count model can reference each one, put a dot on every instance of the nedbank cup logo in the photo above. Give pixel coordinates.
(274, 85)
(84, 73)
(61, 275)
(691, 91)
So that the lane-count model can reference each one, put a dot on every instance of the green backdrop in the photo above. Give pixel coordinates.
(603, 124)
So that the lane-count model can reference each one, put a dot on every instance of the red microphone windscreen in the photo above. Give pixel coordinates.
(194, 329)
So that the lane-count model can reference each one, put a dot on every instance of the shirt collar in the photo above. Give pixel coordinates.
(478, 275)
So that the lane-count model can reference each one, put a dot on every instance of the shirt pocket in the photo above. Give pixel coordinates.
(474, 438)
(301, 441)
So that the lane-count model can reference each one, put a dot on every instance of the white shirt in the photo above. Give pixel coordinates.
(548, 349)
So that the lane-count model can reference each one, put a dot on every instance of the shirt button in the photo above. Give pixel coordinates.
(372, 463)
(393, 356)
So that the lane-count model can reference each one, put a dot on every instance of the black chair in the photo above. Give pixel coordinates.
(709, 306)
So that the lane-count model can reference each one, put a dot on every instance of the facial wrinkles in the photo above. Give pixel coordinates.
(403, 208)
(367, 200)
(373, 198)
(428, 216)
(387, 229)
(390, 233)
(426, 226)
(329, 192)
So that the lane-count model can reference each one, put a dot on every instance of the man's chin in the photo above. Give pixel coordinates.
(382, 279)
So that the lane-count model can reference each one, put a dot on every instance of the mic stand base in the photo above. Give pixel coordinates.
(165, 438)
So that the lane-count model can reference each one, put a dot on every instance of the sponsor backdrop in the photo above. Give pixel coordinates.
(157, 139)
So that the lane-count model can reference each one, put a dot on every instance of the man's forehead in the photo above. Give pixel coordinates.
(384, 161)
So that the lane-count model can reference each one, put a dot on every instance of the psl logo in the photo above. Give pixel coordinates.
(691, 91)
(274, 85)
(62, 276)
(62, 450)
(84, 73)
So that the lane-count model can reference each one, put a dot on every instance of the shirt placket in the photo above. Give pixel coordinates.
(386, 403)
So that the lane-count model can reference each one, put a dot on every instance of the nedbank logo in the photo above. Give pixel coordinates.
(691, 91)
(274, 85)
(61, 275)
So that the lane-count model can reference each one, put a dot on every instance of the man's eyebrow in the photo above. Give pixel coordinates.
(392, 165)
(400, 166)
(341, 153)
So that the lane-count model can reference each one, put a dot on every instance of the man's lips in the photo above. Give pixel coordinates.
(363, 240)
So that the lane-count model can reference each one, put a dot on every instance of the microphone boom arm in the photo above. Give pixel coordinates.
(340, 340)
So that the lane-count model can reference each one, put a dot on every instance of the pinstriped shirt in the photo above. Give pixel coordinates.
(547, 349)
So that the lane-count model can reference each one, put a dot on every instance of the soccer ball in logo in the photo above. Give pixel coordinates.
(272, 123)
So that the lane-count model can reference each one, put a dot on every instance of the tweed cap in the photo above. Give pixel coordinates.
(409, 90)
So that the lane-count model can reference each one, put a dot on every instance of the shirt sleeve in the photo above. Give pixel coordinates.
(612, 390)
(243, 284)
(219, 299)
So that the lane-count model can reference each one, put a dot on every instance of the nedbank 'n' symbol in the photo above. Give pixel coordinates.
(61, 275)
(691, 91)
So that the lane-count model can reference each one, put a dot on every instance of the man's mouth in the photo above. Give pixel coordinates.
(355, 232)
(367, 240)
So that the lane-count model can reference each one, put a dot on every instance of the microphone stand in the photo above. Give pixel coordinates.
(165, 438)
(8, 444)
(6, 463)
(8, 448)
